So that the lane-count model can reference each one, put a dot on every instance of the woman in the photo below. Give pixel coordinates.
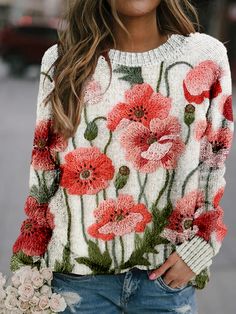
(134, 123)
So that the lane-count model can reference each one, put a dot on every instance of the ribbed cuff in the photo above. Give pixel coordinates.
(197, 253)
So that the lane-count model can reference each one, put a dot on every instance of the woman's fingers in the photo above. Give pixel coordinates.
(174, 283)
(163, 268)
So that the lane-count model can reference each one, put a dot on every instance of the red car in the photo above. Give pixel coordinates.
(24, 45)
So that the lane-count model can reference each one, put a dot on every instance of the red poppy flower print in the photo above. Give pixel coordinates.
(221, 228)
(215, 146)
(92, 93)
(226, 107)
(189, 218)
(141, 104)
(86, 171)
(33, 239)
(157, 146)
(119, 217)
(38, 212)
(46, 145)
(202, 82)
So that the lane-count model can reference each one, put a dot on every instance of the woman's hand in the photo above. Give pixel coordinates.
(179, 272)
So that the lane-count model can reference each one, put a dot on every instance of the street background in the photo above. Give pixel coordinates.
(17, 112)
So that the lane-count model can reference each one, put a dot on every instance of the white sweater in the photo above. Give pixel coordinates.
(144, 174)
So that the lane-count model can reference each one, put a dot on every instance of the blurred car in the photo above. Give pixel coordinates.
(24, 45)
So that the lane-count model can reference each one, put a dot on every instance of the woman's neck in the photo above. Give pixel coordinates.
(144, 30)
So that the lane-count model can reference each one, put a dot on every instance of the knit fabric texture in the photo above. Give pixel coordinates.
(144, 174)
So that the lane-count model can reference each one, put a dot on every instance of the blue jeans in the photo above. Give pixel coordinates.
(131, 292)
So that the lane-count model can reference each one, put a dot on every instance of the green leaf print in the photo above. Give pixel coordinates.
(201, 279)
(64, 266)
(43, 193)
(133, 75)
(91, 131)
(97, 261)
(20, 259)
(122, 177)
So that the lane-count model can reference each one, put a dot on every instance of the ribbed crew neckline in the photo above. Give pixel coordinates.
(171, 48)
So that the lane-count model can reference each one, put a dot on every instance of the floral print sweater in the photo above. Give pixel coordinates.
(144, 174)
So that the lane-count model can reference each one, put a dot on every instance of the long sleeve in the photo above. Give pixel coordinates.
(215, 144)
(36, 230)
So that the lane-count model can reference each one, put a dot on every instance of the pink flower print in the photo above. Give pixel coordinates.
(226, 107)
(46, 144)
(215, 146)
(86, 171)
(199, 129)
(141, 104)
(92, 92)
(157, 146)
(221, 227)
(202, 82)
(119, 217)
(189, 218)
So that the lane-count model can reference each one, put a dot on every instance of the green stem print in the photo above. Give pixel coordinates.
(108, 142)
(114, 253)
(188, 177)
(160, 77)
(73, 142)
(46, 76)
(188, 135)
(97, 199)
(163, 189)
(122, 250)
(82, 218)
(142, 188)
(170, 186)
(97, 203)
(104, 194)
(85, 114)
(44, 182)
(207, 188)
(38, 177)
(65, 265)
(158, 198)
(167, 73)
(68, 215)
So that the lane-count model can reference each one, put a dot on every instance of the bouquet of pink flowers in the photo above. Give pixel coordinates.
(30, 292)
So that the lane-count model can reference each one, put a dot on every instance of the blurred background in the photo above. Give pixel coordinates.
(27, 29)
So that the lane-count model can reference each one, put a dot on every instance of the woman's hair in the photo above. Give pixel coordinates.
(87, 34)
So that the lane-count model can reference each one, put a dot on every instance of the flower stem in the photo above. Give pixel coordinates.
(188, 177)
(207, 188)
(167, 73)
(160, 76)
(69, 217)
(163, 189)
(188, 135)
(142, 188)
(170, 186)
(38, 177)
(82, 218)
